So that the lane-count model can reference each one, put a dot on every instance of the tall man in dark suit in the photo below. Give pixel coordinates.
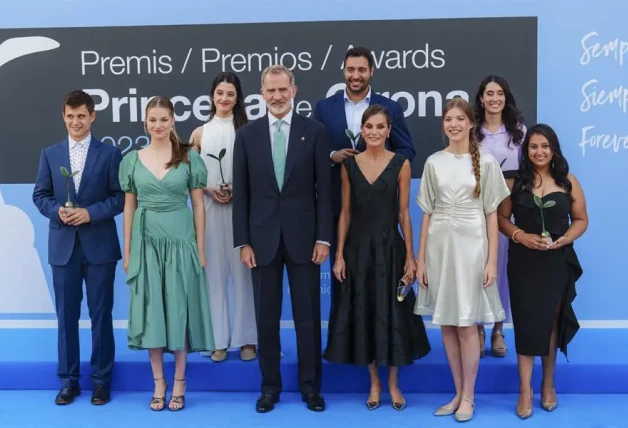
(282, 217)
(82, 242)
(343, 111)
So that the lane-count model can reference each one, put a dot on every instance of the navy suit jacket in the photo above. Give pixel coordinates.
(301, 211)
(99, 193)
(331, 113)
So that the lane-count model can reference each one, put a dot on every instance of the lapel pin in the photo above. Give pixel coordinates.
(302, 138)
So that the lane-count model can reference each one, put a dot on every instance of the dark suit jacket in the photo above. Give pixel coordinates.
(99, 193)
(331, 113)
(301, 211)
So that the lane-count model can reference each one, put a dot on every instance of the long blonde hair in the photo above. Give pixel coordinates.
(179, 148)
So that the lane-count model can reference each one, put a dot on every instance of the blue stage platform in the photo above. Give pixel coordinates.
(598, 364)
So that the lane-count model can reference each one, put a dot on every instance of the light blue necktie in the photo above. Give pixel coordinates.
(279, 153)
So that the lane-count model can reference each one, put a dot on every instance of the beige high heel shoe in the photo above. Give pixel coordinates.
(526, 413)
(498, 351)
(549, 406)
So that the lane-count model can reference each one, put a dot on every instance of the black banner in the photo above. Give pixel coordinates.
(420, 63)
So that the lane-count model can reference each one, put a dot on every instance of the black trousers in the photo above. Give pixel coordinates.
(335, 284)
(304, 280)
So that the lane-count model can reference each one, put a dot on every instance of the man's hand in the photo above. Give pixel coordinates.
(247, 256)
(320, 253)
(343, 154)
(77, 216)
(63, 215)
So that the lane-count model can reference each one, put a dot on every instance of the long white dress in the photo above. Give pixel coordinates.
(456, 250)
(233, 314)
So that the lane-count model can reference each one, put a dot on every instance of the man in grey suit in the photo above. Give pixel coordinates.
(282, 217)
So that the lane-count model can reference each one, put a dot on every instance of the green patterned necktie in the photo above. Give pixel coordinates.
(279, 153)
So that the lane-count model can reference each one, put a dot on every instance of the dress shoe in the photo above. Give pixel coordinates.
(314, 402)
(526, 413)
(101, 395)
(219, 355)
(67, 394)
(465, 417)
(549, 406)
(247, 353)
(266, 403)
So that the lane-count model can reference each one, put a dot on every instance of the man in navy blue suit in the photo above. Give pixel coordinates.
(343, 111)
(282, 218)
(83, 242)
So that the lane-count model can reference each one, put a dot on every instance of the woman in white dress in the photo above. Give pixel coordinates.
(461, 189)
(214, 141)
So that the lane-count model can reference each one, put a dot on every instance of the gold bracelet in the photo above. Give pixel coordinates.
(514, 234)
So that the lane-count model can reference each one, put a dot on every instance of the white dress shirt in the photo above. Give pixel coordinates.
(78, 155)
(353, 113)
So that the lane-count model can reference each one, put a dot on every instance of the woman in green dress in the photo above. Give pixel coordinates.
(164, 252)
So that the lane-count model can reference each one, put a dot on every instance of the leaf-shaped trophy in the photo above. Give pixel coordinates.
(354, 139)
(68, 179)
(225, 189)
(350, 136)
(542, 206)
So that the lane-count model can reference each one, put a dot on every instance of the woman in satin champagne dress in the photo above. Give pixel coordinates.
(461, 189)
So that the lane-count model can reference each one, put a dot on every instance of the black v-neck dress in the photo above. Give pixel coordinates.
(367, 323)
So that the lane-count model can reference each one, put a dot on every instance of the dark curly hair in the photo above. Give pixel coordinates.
(559, 167)
(511, 115)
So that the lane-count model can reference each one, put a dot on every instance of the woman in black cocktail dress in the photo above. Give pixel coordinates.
(368, 326)
(542, 264)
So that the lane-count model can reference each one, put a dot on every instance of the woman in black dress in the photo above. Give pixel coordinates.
(368, 326)
(542, 265)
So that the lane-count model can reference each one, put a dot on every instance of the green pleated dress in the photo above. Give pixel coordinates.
(168, 293)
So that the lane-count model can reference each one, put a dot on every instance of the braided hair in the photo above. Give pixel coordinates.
(474, 149)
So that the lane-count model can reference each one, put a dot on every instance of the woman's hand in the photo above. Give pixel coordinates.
(533, 242)
(490, 274)
(202, 259)
(410, 267)
(125, 265)
(421, 273)
(561, 242)
(216, 195)
(340, 271)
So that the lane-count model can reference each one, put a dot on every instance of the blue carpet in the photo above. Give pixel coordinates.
(27, 409)
(598, 365)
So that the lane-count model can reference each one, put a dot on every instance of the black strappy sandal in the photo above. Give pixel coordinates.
(159, 400)
(179, 399)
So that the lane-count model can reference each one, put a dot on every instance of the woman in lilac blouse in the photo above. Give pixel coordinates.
(500, 131)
